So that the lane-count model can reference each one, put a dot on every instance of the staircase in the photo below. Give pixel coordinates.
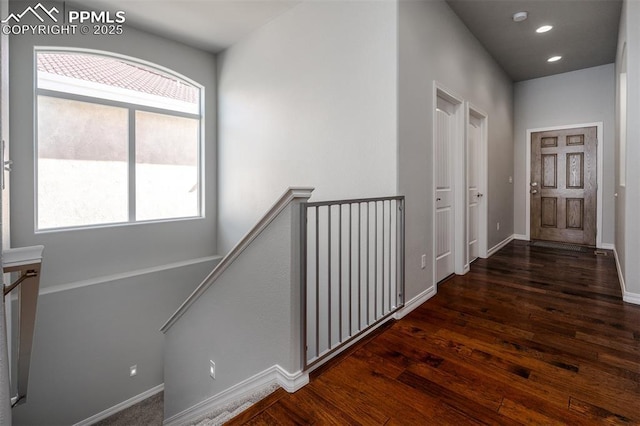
(244, 317)
(305, 283)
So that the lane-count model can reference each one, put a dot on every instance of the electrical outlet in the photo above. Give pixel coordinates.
(498, 226)
(133, 370)
(212, 369)
(424, 261)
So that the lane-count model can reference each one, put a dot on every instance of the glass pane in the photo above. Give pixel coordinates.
(166, 166)
(116, 79)
(82, 163)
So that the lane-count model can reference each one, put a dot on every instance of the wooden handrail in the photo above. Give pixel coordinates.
(286, 198)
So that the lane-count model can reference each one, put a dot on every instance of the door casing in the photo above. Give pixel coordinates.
(6, 385)
(599, 175)
(461, 264)
(483, 187)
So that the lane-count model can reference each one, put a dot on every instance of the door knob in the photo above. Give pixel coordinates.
(534, 191)
(479, 195)
(438, 199)
(534, 183)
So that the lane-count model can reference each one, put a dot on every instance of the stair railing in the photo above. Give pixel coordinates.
(26, 263)
(352, 271)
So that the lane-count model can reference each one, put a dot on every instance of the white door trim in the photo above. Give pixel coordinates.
(599, 175)
(484, 185)
(459, 180)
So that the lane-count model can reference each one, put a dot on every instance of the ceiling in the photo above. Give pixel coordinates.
(211, 25)
(585, 33)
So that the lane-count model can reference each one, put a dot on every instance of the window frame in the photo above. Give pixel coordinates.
(131, 108)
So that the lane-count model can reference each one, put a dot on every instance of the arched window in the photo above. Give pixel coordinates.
(118, 140)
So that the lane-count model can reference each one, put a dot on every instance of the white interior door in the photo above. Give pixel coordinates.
(474, 196)
(5, 322)
(444, 187)
(4, 130)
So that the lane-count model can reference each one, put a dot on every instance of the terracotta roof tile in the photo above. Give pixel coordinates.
(117, 73)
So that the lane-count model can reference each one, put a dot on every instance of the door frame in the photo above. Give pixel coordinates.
(461, 265)
(599, 175)
(483, 161)
(6, 354)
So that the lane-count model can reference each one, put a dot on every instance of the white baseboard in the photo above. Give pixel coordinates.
(415, 302)
(619, 268)
(626, 296)
(605, 246)
(498, 246)
(121, 406)
(273, 375)
(631, 298)
(291, 382)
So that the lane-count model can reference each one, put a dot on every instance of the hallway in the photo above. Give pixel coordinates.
(531, 335)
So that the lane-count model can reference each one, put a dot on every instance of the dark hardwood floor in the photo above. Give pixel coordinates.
(530, 336)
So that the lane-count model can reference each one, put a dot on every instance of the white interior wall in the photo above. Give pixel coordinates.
(88, 335)
(584, 96)
(309, 99)
(620, 202)
(75, 255)
(435, 45)
(86, 339)
(628, 200)
(5, 326)
(246, 322)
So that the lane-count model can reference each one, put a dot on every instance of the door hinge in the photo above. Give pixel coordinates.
(6, 164)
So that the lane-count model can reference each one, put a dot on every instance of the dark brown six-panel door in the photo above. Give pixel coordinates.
(564, 185)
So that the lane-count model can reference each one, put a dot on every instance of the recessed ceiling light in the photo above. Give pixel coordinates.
(554, 59)
(544, 29)
(520, 16)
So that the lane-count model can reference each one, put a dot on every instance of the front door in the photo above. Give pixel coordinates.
(564, 185)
